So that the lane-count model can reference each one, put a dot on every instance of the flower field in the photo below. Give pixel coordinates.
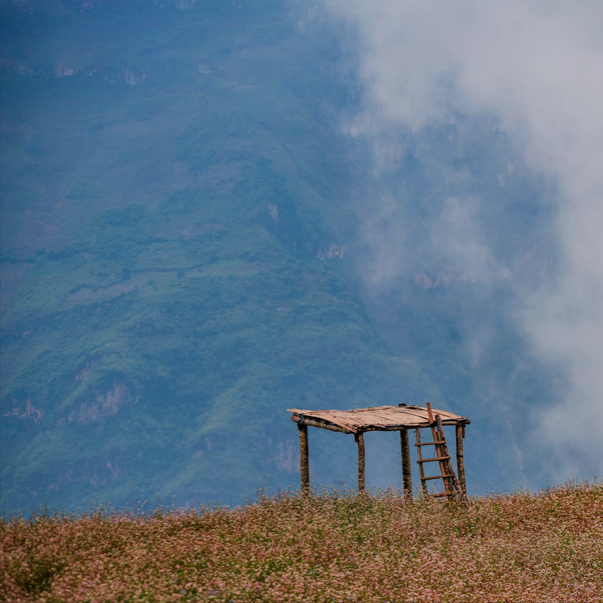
(333, 546)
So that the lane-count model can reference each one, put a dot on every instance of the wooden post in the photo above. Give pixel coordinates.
(304, 465)
(406, 471)
(420, 458)
(460, 457)
(359, 437)
(456, 486)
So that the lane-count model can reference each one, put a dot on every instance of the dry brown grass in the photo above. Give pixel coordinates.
(330, 547)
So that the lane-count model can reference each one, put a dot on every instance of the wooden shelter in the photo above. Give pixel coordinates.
(390, 418)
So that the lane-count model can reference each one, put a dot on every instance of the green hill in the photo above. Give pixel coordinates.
(175, 229)
(184, 256)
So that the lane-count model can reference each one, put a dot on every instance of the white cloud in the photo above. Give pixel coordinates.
(538, 66)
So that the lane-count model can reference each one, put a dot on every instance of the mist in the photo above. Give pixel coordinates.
(532, 71)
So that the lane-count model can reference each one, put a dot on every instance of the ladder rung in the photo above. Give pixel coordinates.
(429, 444)
(443, 494)
(441, 458)
(437, 476)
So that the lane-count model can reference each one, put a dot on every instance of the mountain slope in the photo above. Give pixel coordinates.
(174, 256)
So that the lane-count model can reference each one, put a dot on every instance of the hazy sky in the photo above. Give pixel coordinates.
(537, 66)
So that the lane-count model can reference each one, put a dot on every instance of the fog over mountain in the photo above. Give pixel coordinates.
(213, 212)
(534, 68)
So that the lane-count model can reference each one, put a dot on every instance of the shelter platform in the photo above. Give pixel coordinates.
(399, 418)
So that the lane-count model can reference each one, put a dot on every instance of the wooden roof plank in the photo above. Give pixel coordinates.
(378, 417)
(326, 415)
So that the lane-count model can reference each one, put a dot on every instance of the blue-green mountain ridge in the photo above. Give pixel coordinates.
(183, 253)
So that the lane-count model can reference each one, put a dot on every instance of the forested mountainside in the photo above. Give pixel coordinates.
(184, 257)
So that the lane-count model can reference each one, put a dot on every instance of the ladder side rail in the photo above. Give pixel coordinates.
(454, 479)
(450, 470)
(436, 438)
(442, 446)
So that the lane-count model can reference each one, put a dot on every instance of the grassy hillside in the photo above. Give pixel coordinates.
(175, 236)
(334, 546)
(186, 252)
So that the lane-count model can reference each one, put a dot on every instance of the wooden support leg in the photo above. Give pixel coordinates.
(406, 471)
(304, 465)
(460, 457)
(420, 458)
(452, 481)
(359, 437)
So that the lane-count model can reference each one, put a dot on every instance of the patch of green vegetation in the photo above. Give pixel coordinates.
(173, 304)
(173, 181)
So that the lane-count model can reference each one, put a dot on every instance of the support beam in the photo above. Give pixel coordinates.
(320, 424)
(310, 422)
(359, 437)
(406, 471)
(460, 457)
(304, 464)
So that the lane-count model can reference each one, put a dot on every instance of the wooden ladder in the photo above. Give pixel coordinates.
(452, 487)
